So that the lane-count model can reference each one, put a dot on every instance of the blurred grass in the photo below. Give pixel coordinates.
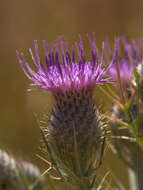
(21, 22)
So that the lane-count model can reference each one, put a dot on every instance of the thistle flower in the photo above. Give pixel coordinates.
(62, 72)
(75, 116)
(126, 143)
(128, 55)
(31, 173)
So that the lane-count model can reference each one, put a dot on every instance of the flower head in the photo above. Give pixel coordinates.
(129, 61)
(127, 56)
(32, 174)
(61, 71)
(12, 173)
(71, 79)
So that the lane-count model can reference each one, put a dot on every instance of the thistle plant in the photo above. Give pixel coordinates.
(127, 112)
(74, 134)
(9, 177)
(31, 175)
(18, 175)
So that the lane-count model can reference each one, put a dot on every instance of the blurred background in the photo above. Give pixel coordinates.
(22, 22)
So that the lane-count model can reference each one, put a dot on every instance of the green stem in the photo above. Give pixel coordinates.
(130, 120)
(136, 179)
(139, 175)
(132, 180)
(139, 139)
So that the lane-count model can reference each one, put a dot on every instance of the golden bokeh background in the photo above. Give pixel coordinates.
(23, 21)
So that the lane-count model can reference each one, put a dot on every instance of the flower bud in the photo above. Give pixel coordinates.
(128, 150)
(32, 174)
(13, 174)
(9, 176)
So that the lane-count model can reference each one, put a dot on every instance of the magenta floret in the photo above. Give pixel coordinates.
(63, 69)
(128, 56)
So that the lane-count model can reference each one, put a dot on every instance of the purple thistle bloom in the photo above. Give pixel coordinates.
(127, 56)
(126, 71)
(71, 79)
(61, 71)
